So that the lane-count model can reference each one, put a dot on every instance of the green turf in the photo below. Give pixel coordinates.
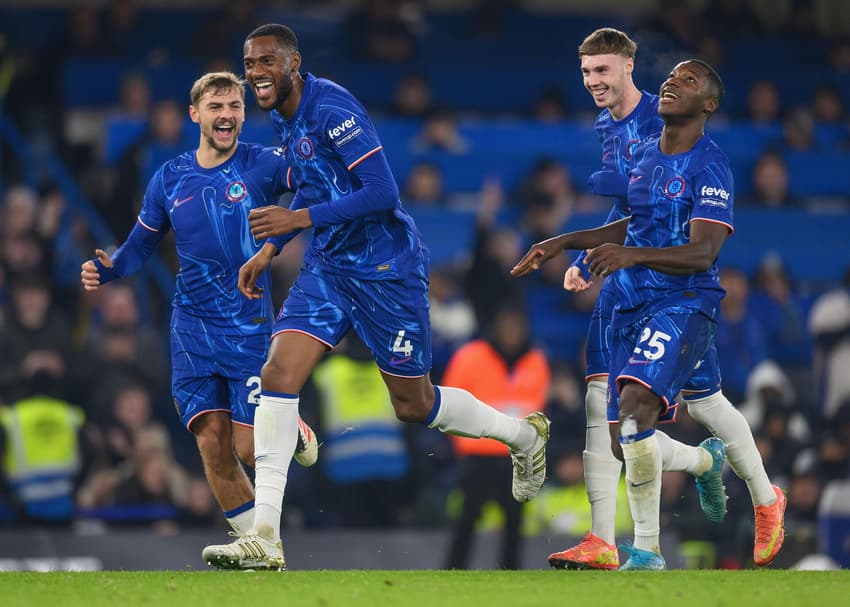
(766, 588)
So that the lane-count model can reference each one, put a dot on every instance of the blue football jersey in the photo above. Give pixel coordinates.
(208, 211)
(620, 138)
(666, 193)
(329, 135)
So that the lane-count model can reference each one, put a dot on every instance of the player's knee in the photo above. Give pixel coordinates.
(638, 404)
(616, 447)
(277, 377)
(411, 410)
(216, 450)
(245, 454)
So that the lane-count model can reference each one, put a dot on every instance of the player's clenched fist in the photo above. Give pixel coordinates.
(89, 276)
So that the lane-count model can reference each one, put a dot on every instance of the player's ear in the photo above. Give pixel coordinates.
(630, 65)
(711, 105)
(193, 114)
(296, 61)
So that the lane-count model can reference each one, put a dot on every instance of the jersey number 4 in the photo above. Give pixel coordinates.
(401, 345)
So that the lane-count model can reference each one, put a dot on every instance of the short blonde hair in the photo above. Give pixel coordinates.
(608, 41)
(219, 82)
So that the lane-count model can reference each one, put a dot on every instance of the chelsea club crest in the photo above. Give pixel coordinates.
(305, 148)
(236, 191)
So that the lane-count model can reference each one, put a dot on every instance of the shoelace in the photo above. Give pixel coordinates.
(763, 531)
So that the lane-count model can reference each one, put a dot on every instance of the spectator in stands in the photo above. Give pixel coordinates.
(776, 427)
(19, 211)
(551, 106)
(452, 318)
(770, 183)
(42, 455)
(781, 311)
(798, 130)
(547, 198)
(134, 99)
(34, 337)
(423, 186)
(740, 339)
(131, 414)
(412, 97)
(385, 31)
(440, 134)
(504, 369)
(829, 325)
(769, 387)
(124, 345)
(124, 34)
(152, 477)
(199, 509)
(731, 19)
(365, 454)
(831, 128)
(488, 286)
(764, 106)
(839, 55)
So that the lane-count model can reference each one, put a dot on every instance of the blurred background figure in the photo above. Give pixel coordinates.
(504, 369)
(365, 455)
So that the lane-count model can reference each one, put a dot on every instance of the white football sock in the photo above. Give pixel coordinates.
(275, 438)
(462, 414)
(242, 520)
(643, 485)
(676, 455)
(722, 419)
(601, 468)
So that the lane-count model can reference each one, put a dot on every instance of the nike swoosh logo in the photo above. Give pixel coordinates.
(178, 202)
(635, 178)
(400, 361)
(641, 484)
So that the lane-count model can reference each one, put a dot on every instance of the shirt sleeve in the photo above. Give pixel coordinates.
(378, 192)
(348, 129)
(714, 194)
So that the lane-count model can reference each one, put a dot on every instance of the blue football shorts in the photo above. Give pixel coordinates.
(599, 331)
(216, 373)
(661, 352)
(389, 316)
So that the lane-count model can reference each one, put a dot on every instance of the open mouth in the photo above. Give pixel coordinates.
(667, 96)
(263, 89)
(224, 131)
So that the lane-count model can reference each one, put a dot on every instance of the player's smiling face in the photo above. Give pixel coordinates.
(269, 70)
(606, 78)
(685, 93)
(220, 114)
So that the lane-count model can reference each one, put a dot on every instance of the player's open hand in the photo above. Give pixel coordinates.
(574, 280)
(276, 221)
(89, 276)
(537, 255)
(250, 271)
(608, 258)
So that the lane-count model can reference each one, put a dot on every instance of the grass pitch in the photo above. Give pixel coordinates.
(765, 588)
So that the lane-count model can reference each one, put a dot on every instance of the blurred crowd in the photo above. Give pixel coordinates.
(97, 362)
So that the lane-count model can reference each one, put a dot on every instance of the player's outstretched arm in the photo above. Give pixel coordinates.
(542, 252)
(252, 269)
(89, 274)
(539, 254)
